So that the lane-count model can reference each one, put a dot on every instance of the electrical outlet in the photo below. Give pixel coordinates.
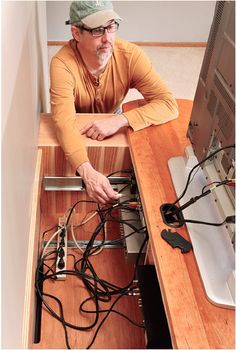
(61, 263)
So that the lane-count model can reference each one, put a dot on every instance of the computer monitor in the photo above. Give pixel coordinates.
(211, 128)
(212, 123)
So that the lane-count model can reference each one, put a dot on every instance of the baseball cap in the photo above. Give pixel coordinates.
(92, 13)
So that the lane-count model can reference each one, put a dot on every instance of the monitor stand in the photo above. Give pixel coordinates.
(212, 246)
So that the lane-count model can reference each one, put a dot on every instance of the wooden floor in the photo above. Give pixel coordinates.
(111, 265)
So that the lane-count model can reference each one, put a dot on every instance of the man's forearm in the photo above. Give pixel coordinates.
(102, 128)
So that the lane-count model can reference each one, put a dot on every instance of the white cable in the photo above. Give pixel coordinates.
(56, 233)
(49, 241)
(65, 216)
(79, 225)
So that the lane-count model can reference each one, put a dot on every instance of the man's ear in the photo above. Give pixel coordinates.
(75, 33)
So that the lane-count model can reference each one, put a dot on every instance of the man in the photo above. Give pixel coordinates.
(92, 74)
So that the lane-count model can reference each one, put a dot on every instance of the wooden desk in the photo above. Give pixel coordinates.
(194, 322)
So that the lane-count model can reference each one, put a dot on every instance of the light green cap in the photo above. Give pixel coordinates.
(92, 13)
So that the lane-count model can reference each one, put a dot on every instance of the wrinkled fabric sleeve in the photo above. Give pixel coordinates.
(64, 114)
(161, 105)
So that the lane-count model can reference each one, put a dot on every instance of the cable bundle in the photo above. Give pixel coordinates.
(100, 291)
(172, 214)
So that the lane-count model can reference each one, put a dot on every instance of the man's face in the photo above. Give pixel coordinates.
(101, 46)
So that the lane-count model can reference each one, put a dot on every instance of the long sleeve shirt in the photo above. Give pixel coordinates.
(74, 90)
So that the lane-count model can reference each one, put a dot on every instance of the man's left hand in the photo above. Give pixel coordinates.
(100, 129)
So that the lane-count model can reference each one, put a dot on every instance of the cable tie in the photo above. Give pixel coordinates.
(212, 188)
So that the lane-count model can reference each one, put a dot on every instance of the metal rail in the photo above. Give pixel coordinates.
(83, 244)
(75, 183)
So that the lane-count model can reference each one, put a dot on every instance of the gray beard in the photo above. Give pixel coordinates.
(104, 56)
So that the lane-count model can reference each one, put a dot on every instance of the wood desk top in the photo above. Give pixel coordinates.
(47, 135)
(194, 322)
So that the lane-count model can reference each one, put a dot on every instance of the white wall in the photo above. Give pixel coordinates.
(151, 21)
(24, 96)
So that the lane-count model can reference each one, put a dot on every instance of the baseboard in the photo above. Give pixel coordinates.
(171, 44)
(29, 305)
(148, 43)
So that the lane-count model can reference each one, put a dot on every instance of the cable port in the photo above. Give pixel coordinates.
(169, 217)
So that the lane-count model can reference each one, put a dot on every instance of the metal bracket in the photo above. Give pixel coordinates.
(83, 244)
(75, 183)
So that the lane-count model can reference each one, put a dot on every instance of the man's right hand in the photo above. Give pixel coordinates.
(97, 185)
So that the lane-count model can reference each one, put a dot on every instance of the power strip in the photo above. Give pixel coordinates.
(61, 263)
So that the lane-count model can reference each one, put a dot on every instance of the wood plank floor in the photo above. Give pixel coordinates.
(111, 265)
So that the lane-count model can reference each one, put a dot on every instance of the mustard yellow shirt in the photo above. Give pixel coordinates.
(74, 90)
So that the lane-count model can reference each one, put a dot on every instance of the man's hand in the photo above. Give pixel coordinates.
(97, 185)
(100, 129)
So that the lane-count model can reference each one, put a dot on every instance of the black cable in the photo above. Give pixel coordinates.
(203, 222)
(114, 292)
(118, 298)
(99, 289)
(39, 282)
(104, 319)
(140, 325)
(123, 188)
(136, 264)
(196, 198)
(72, 208)
(217, 184)
(197, 165)
(173, 216)
(45, 258)
(120, 171)
(89, 246)
(62, 317)
(54, 314)
(92, 239)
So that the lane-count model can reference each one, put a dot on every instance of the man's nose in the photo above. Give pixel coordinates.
(105, 36)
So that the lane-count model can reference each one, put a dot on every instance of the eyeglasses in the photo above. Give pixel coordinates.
(99, 31)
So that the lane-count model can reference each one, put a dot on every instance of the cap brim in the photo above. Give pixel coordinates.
(100, 18)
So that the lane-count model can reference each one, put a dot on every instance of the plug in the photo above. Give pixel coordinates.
(63, 232)
(230, 219)
(61, 264)
(61, 252)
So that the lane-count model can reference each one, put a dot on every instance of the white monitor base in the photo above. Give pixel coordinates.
(212, 245)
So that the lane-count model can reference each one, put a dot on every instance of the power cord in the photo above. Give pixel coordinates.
(99, 289)
(196, 166)
(172, 215)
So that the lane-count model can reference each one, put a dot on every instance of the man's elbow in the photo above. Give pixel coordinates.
(174, 109)
(175, 112)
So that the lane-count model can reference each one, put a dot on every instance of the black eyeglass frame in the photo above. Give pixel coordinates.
(91, 31)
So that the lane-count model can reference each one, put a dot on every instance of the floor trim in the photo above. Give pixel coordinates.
(148, 43)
